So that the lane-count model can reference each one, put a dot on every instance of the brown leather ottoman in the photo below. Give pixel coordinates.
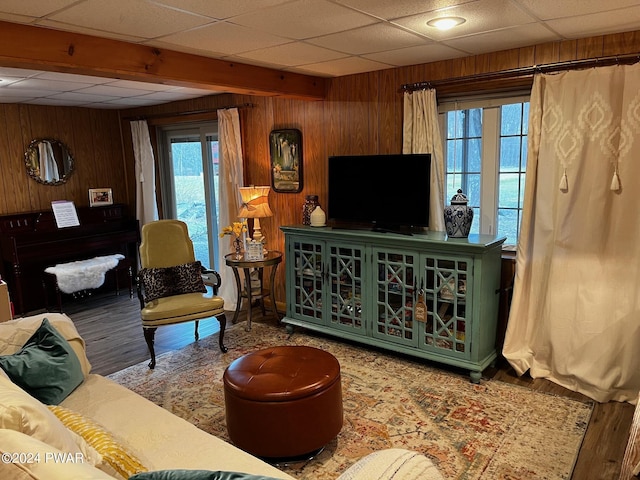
(283, 402)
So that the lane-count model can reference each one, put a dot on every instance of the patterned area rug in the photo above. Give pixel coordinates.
(490, 431)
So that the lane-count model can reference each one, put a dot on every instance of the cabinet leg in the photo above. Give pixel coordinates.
(475, 376)
(289, 329)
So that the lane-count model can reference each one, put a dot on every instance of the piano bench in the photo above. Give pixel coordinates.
(49, 280)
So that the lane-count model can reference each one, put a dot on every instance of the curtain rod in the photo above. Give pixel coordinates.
(190, 112)
(526, 71)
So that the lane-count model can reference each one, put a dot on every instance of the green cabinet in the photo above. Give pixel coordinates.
(373, 288)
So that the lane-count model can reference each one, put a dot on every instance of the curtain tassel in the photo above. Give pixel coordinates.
(564, 183)
(615, 181)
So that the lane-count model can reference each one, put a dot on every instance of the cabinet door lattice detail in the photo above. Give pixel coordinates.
(345, 281)
(308, 273)
(395, 297)
(448, 325)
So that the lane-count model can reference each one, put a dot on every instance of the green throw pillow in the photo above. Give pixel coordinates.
(46, 366)
(196, 475)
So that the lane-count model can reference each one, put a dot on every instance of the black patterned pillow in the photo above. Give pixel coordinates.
(169, 281)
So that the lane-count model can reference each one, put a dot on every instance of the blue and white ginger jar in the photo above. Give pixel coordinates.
(458, 216)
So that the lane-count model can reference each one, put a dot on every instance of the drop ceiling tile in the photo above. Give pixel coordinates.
(110, 91)
(88, 31)
(503, 39)
(80, 97)
(18, 72)
(49, 85)
(34, 9)
(11, 91)
(134, 101)
(224, 38)
(400, 8)
(136, 86)
(614, 21)
(553, 9)
(139, 18)
(343, 66)
(416, 55)
(304, 19)
(292, 54)
(6, 80)
(221, 9)
(55, 102)
(8, 17)
(71, 77)
(481, 16)
(373, 38)
(8, 99)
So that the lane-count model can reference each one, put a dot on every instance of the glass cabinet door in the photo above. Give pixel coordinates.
(395, 290)
(345, 286)
(447, 294)
(307, 279)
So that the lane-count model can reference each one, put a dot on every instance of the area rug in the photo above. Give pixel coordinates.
(488, 431)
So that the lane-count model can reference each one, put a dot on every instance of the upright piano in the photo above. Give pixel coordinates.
(32, 241)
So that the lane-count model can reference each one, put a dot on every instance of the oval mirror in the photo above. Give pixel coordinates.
(48, 161)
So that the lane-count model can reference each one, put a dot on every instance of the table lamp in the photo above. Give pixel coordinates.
(255, 204)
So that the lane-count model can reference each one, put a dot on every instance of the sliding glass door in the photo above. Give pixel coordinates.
(189, 179)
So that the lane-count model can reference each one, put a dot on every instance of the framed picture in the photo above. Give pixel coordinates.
(286, 160)
(100, 196)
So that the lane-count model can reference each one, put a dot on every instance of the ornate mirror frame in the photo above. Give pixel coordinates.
(58, 162)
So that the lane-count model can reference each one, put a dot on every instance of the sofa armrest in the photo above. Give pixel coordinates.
(392, 464)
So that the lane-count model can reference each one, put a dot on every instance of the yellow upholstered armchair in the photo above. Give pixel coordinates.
(171, 288)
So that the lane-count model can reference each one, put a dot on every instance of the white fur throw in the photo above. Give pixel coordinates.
(84, 274)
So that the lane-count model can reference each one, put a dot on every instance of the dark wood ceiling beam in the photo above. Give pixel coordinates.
(26, 46)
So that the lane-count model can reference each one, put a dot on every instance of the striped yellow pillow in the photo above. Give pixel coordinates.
(114, 454)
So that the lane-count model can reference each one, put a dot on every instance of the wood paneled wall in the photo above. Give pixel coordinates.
(94, 139)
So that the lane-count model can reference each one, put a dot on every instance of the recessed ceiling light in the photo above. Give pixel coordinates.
(445, 23)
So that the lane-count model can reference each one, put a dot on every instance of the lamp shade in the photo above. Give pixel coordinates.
(255, 202)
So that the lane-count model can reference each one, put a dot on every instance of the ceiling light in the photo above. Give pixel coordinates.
(445, 23)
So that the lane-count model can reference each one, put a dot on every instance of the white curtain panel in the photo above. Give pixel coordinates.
(575, 315)
(231, 178)
(146, 207)
(421, 134)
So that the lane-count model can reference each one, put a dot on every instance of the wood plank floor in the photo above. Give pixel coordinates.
(111, 328)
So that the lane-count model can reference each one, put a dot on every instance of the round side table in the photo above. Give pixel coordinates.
(271, 259)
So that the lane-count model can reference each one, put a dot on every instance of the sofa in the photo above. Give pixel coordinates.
(101, 430)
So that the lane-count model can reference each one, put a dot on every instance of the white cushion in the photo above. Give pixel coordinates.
(41, 461)
(393, 464)
(22, 413)
(15, 333)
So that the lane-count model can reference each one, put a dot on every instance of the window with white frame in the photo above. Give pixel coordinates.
(485, 144)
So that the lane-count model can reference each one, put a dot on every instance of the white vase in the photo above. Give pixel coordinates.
(318, 217)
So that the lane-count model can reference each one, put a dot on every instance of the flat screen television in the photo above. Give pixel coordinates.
(382, 192)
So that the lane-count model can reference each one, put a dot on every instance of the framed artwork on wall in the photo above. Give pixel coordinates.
(100, 196)
(286, 160)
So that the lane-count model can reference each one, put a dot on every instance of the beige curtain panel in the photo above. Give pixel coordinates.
(575, 315)
(231, 178)
(421, 134)
(146, 207)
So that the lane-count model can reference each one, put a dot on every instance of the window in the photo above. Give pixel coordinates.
(189, 179)
(486, 150)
